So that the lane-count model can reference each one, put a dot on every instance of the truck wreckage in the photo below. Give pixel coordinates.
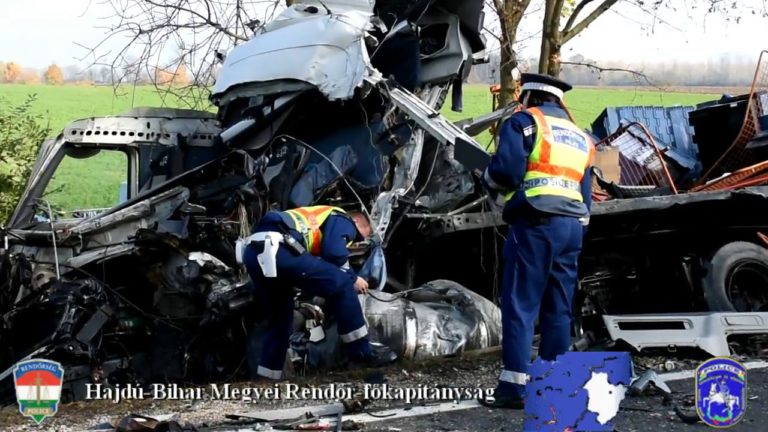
(149, 290)
(321, 107)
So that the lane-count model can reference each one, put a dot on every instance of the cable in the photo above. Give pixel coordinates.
(53, 237)
(429, 176)
(370, 135)
(370, 413)
(396, 296)
(327, 159)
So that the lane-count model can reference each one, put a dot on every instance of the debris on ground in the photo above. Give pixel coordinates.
(648, 380)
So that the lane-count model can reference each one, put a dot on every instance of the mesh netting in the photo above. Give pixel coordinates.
(641, 161)
(738, 156)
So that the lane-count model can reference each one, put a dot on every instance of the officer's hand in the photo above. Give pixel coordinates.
(361, 286)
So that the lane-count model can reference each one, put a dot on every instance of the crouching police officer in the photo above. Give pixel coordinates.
(542, 165)
(306, 248)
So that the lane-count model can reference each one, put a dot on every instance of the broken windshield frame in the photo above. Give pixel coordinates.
(32, 209)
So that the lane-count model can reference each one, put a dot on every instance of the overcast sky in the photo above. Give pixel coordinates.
(39, 32)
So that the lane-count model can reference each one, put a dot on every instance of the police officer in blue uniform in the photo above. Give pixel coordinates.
(541, 169)
(306, 248)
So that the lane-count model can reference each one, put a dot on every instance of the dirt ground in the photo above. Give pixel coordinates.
(475, 371)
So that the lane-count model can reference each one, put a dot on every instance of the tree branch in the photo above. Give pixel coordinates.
(578, 28)
(207, 20)
(600, 70)
(157, 37)
(575, 14)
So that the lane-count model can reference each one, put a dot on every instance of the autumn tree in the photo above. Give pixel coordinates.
(29, 76)
(180, 77)
(163, 77)
(12, 72)
(53, 75)
(176, 76)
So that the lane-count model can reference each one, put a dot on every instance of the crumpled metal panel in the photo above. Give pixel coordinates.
(344, 5)
(442, 319)
(450, 184)
(120, 225)
(144, 125)
(327, 51)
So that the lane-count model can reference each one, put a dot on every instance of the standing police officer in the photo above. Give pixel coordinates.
(306, 248)
(541, 165)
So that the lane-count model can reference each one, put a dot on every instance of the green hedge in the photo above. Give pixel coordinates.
(21, 134)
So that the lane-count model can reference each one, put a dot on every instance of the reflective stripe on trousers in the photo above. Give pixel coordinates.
(269, 373)
(354, 335)
(514, 377)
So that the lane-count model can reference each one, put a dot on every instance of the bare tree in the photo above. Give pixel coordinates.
(574, 12)
(509, 13)
(171, 35)
(553, 37)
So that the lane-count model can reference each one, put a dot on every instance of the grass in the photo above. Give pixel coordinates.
(94, 182)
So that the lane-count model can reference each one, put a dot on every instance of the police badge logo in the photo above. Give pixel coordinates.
(721, 392)
(38, 388)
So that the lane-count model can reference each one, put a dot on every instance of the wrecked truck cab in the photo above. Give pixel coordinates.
(87, 289)
(149, 290)
(333, 46)
(151, 145)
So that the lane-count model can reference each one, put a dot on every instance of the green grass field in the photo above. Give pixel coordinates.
(94, 183)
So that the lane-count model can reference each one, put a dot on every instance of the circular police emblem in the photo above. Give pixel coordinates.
(721, 392)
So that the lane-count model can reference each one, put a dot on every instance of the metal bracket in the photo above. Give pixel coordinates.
(442, 224)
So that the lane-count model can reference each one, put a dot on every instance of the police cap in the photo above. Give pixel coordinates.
(545, 83)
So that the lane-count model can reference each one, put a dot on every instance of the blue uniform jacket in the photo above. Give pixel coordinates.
(337, 231)
(510, 162)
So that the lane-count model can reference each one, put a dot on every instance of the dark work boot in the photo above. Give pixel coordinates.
(499, 401)
(379, 355)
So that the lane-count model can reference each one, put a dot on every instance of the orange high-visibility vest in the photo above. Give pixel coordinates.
(307, 221)
(561, 153)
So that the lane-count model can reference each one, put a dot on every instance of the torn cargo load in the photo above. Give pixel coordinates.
(677, 230)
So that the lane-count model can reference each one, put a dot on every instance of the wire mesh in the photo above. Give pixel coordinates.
(738, 156)
(741, 178)
(641, 161)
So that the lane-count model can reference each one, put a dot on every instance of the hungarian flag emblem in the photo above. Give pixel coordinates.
(38, 388)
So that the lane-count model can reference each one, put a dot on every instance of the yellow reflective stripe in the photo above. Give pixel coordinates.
(309, 230)
(301, 227)
(562, 163)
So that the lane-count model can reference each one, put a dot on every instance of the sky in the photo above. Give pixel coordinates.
(37, 33)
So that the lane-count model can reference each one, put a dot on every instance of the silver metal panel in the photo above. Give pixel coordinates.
(708, 331)
(327, 51)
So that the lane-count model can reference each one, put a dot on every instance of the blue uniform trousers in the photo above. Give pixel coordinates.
(540, 276)
(274, 299)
